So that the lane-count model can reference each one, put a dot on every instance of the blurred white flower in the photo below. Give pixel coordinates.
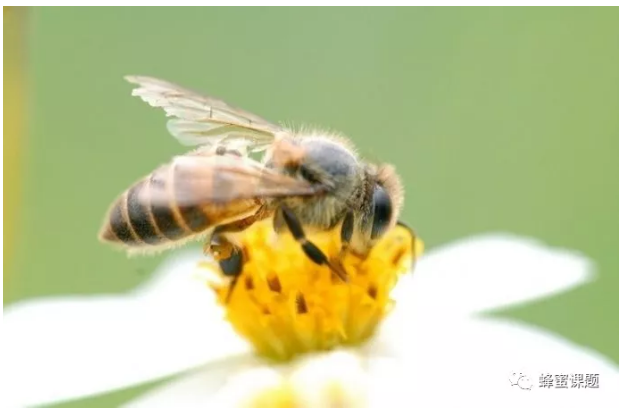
(434, 348)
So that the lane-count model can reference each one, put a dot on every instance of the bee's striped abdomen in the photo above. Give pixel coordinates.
(131, 222)
(163, 213)
(136, 222)
(167, 223)
(118, 227)
(169, 206)
(141, 219)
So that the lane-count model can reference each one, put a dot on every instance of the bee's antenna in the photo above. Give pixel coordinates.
(413, 237)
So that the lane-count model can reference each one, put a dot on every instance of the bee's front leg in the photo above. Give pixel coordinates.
(312, 251)
(346, 232)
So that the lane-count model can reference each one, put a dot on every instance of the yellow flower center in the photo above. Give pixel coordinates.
(285, 304)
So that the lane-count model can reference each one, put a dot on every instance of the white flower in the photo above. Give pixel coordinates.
(434, 348)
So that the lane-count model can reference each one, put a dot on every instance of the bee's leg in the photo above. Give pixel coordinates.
(311, 250)
(346, 232)
(413, 241)
(219, 246)
(224, 252)
(229, 256)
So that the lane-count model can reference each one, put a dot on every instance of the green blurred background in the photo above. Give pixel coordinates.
(497, 118)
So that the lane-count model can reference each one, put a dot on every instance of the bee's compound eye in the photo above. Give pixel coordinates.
(382, 211)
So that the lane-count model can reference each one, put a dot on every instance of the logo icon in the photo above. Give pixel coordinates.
(521, 380)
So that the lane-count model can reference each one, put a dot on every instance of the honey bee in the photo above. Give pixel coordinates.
(303, 180)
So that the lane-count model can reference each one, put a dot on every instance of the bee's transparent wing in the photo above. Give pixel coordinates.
(199, 119)
(220, 179)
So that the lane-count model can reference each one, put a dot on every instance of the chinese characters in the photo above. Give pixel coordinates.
(566, 381)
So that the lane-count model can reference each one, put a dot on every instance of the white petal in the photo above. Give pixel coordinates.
(455, 362)
(474, 360)
(333, 379)
(491, 271)
(244, 388)
(224, 384)
(197, 389)
(59, 349)
(329, 379)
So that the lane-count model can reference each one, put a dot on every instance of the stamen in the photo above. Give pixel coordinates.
(274, 283)
(301, 306)
(248, 283)
(372, 292)
(304, 306)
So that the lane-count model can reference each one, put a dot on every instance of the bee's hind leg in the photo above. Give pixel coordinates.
(230, 256)
(225, 253)
(310, 249)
